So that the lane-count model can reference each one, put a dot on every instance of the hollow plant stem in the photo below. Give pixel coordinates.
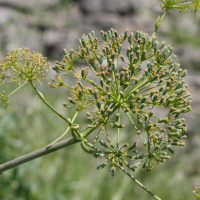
(36, 154)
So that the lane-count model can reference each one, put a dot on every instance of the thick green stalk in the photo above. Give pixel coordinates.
(36, 154)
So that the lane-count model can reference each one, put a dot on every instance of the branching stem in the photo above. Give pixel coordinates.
(43, 99)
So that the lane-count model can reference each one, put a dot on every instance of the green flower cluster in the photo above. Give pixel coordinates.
(21, 66)
(182, 5)
(197, 192)
(131, 90)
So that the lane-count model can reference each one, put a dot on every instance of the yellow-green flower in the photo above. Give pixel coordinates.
(21, 64)
(181, 5)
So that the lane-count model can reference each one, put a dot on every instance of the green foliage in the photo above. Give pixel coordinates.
(181, 5)
(116, 92)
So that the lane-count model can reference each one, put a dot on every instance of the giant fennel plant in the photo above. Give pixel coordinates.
(115, 90)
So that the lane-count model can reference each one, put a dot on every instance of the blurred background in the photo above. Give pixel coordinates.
(48, 26)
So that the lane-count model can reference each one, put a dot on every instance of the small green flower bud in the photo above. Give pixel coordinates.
(138, 132)
(155, 97)
(143, 55)
(83, 74)
(113, 66)
(116, 33)
(165, 157)
(137, 35)
(102, 166)
(168, 102)
(101, 83)
(156, 46)
(144, 99)
(132, 146)
(98, 105)
(80, 42)
(80, 84)
(163, 50)
(117, 117)
(95, 94)
(65, 52)
(93, 83)
(103, 143)
(175, 143)
(151, 113)
(131, 56)
(155, 78)
(130, 38)
(119, 48)
(146, 72)
(142, 106)
(102, 34)
(128, 52)
(126, 34)
(152, 93)
(165, 90)
(113, 37)
(91, 92)
(71, 100)
(162, 45)
(184, 73)
(121, 94)
(122, 57)
(109, 34)
(100, 59)
(178, 85)
(66, 105)
(171, 151)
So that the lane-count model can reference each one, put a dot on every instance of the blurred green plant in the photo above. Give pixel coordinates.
(114, 91)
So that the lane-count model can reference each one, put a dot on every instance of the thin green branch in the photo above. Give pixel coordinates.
(65, 131)
(43, 99)
(138, 182)
(158, 22)
(118, 130)
(17, 88)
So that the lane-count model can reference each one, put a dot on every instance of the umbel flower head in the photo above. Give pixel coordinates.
(129, 90)
(182, 5)
(21, 66)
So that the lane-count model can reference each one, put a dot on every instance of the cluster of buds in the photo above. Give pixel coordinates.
(131, 90)
(4, 100)
(197, 192)
(21, 66)
(182, 5)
